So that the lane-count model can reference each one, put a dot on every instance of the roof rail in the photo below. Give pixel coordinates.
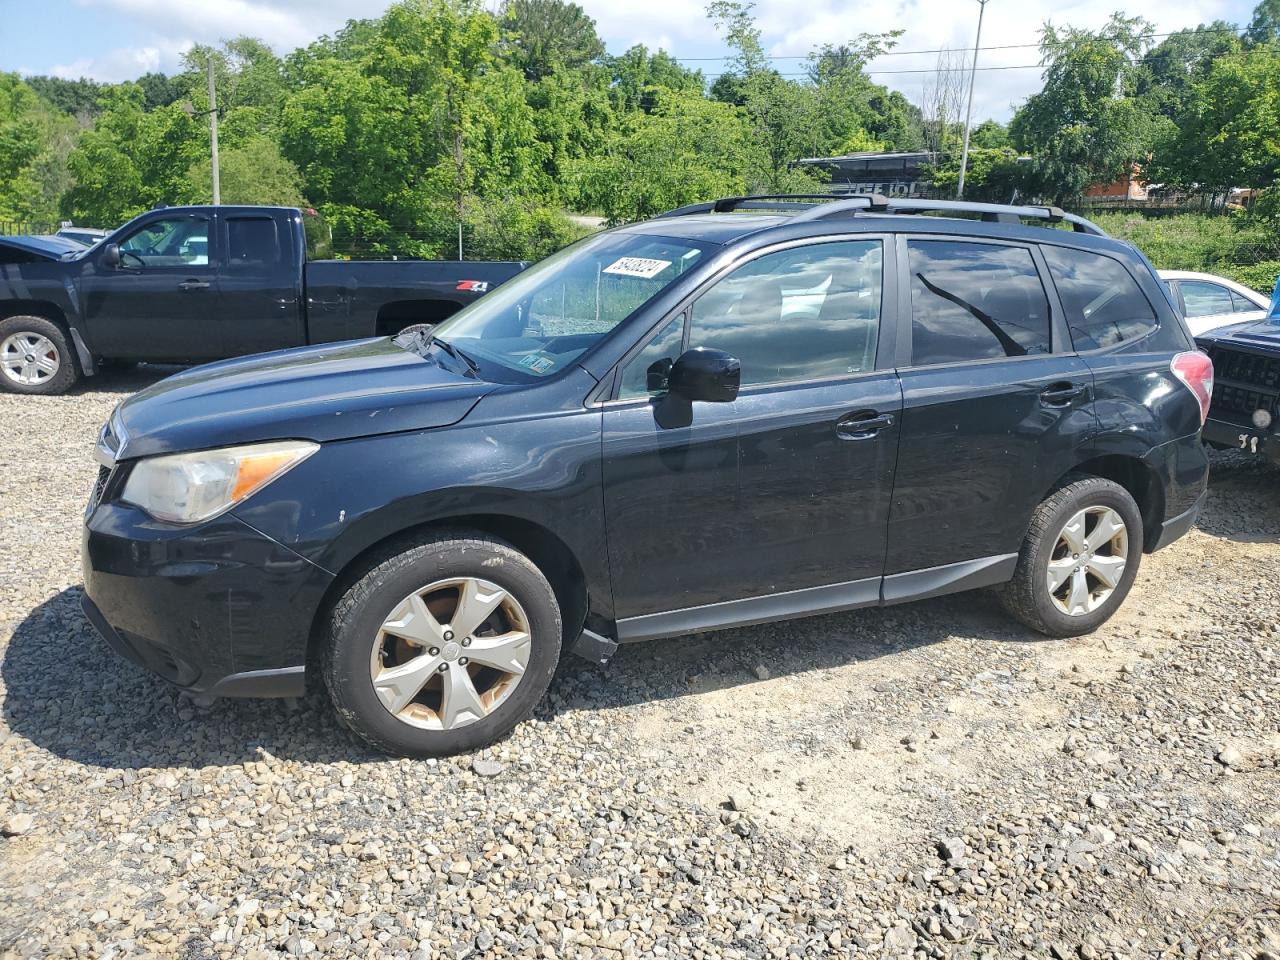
(830, 206)
(763, 201)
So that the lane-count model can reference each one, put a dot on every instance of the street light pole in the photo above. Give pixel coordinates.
(213, 133)
(968, 114)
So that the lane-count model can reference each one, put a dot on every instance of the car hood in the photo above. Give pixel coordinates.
(1256, 333)
(328, 392)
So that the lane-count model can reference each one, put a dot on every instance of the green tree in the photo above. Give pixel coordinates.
(1265, 25)
(547, 35)
(638, 75)
(1171, 69)
(34, 142)
(76, 97)
(1085, 126)
(159, 90)
(132, 159)
(1228, 137)
(252, 171)
(688, 148)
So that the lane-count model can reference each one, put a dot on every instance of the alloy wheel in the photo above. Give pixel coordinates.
(29, 358)
(450, 654)
(1088, 560)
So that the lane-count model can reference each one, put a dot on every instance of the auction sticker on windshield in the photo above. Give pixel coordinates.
(641, 267)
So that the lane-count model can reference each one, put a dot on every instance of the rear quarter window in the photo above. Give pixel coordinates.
(1104, 305)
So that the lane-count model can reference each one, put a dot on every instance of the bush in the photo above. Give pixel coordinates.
(1259, 276)
(1238, 245)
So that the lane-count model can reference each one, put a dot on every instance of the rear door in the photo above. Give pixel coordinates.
(994, 403)
(788, 487)
(259, 283)
(160, 302)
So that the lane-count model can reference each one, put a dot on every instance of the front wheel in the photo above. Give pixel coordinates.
(1079, 559)
(443, 646)
(35, 356)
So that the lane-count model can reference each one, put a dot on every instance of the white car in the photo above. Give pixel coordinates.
(1209, 302)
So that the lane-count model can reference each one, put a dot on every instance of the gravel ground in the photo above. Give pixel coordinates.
(928, 780)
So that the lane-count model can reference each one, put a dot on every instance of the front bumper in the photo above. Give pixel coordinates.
(217, 608)
(1236, 436)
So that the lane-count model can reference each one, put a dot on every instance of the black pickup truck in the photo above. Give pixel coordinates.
(191, 284)
(1245, 411)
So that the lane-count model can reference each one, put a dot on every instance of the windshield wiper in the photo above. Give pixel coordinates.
(457, 354)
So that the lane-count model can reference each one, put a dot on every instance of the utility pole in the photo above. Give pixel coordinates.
(213, 132)
(968, 114)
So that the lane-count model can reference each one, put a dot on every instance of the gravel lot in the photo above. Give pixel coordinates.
(929, 779)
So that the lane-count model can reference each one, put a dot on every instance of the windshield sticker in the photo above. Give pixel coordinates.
(641, 267)
(538, 363)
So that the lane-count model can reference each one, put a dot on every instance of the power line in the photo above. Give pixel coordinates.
(912, 53)
(1021, 66)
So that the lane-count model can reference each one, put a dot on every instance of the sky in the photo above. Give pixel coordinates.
(117, 40)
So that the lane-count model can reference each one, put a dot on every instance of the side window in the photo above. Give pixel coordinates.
(646, 373)
(1205, 299)
(252, 242)
(806, 313)
(1242, 305)
(975, 301)
(179, 242)
(1103, 303)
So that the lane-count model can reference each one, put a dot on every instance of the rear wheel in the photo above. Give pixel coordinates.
(35, 356)
(442, 647)
(1079, 560)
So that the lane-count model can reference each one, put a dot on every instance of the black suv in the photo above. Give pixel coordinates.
(741, 411)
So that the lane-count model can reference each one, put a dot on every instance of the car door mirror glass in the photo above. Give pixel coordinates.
(711, 376)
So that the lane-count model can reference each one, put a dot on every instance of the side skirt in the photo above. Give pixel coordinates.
(813, 601)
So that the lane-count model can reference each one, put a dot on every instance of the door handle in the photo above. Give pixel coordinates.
(863, 426)
(194, 285)
(1061, 394)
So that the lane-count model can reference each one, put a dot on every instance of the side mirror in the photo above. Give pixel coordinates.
(712, 376)
(110, 255)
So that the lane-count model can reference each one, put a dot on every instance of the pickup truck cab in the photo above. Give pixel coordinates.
(191, 284)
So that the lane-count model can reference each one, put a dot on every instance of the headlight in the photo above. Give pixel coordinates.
(191, 487)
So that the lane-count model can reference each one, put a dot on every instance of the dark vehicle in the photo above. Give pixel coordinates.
(85, 236)
(191, 284)
(742, 411)
(1245, 413)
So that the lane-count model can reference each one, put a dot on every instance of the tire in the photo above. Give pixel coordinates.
(376, 627)
(1028, 596)
(35, 357)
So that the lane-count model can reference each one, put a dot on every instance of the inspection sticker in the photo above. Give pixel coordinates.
(637, 267)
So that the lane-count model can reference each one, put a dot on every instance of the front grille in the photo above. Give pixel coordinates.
(99, 486)
(1242, 384)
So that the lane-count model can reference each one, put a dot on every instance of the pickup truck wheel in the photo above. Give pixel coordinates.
(35, 356)
(443, 646)
(1079, 560)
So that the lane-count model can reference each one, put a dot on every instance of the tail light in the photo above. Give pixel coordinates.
(1195, 370)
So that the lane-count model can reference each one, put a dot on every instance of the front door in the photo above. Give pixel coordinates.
(788, 487)
(995, 404)
(159, 303)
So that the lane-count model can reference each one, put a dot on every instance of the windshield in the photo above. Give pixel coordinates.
(543, 319)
